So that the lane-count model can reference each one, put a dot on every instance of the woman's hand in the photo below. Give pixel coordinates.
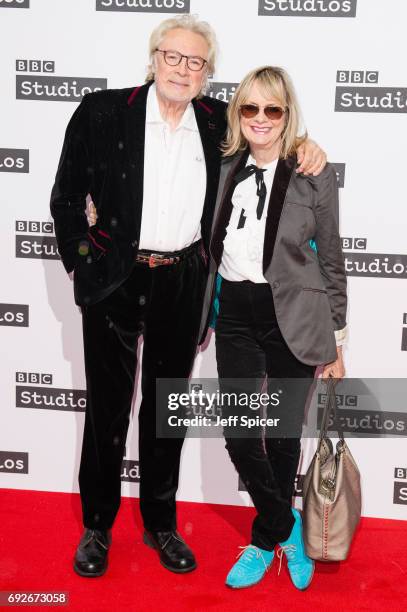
(335, 369)
(311, 158)
(92, 214)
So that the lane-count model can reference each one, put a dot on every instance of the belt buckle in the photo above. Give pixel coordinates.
(154, 260)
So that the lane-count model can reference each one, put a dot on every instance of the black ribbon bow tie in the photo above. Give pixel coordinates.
(261, 186)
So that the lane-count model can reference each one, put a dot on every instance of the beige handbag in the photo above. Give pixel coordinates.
(331, 493)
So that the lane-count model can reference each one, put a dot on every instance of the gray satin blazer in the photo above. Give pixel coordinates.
(309, 288)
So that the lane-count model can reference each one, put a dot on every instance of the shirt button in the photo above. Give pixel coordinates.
(134, 243)
(275, 285)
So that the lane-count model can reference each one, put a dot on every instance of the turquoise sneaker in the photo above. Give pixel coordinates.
(251, 567)
(300, 566)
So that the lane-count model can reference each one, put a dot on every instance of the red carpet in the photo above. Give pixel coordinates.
(39, 532)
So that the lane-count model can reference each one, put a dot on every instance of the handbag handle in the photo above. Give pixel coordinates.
(330, 408)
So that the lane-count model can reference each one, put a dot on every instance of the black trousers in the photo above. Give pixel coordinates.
(164, 305)
(249, 345)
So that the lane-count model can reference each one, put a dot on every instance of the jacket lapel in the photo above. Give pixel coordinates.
(134, 126)
(225, 205)
(278, 193)
(211, 132)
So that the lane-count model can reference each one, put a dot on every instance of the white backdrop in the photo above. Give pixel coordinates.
(343, 50)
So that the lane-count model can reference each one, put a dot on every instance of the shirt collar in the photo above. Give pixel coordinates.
(153, 114)
(270, 166)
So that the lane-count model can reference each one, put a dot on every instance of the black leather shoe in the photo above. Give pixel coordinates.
(91, 554)
(174, 554)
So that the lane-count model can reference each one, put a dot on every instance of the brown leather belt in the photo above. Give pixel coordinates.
(167, 259)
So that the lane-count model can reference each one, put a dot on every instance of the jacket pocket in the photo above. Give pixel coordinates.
(306, 204)
(314, 289)
(100, 241)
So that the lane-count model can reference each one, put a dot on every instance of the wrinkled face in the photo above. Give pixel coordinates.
(260, 131)
(180, 83)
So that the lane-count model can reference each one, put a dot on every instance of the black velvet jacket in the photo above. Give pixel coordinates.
(103, 156)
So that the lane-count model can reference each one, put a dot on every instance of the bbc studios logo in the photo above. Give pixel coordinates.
(41, 84)
(298, 485)
(36, 240)
(222, 90)
(400, 486)
(35, 390)
(404, 333)
(144, 6)
(12, 462)
(130, 471)
(350, 243)
(357, 91)
(14, 315)
(356, 420)
(14, 3)
(14, 160)
(373, 265)
(307, 8)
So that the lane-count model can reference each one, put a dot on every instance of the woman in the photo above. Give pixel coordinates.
(282, 301)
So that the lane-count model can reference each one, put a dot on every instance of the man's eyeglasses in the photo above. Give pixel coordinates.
(251, 110)
(173, 58)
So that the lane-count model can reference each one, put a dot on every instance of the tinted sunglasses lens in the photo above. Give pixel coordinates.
(249, 110)
(273, 112)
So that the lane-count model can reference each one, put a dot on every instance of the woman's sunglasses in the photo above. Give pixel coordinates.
(251, 110)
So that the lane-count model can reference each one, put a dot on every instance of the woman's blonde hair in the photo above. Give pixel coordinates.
(193, 24)
(274, 83)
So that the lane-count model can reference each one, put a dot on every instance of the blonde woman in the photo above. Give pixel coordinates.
(282, 301)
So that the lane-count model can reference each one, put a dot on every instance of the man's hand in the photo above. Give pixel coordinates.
(311, 158)
(336, 369)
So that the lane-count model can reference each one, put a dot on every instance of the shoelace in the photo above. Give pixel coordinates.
(251, 549)
(93, 536)
(172, 535)
(289, 550)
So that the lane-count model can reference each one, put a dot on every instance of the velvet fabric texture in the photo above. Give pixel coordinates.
(103, 155)
(249, 345)
(163, 304)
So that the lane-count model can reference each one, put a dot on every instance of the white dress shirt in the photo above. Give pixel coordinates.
(242, 257)
(174, 181)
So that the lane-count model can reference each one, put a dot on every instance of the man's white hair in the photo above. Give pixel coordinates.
(193, 24)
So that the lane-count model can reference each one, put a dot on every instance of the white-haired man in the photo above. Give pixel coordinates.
(149, 157)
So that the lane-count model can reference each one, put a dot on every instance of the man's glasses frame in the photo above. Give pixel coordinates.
(174, 58)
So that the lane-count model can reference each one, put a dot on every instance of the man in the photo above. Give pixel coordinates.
(150, 159)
